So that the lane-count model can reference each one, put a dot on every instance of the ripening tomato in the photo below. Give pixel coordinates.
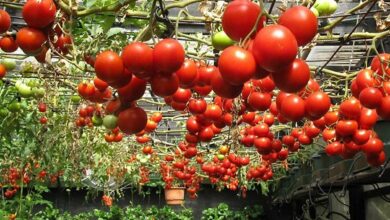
(293, 78)
(164, 85)
(297, 17)
(378, 66)
(133, 90)
(293, 108)
(384, 108)
(138, 58)
(240, 17)
(3, 71)
(259, 101)
(224, 89)
(5, 21)
(86, 89)
(236, 65)
(8, 44)
(132, 120)
(156, 117)
(168, 56)
(197, 106)
(109, 67)
(317, 105)
(30, 40)
(275, 47)
(370, 97)
(39, 13)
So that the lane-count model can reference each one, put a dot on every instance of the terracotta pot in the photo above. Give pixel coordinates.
(174, 195)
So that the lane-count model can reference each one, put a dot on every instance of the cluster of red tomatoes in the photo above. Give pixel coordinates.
(349, 128)
(35, 39)
(42, 108)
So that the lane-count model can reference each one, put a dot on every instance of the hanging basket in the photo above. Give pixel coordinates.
(174, 195)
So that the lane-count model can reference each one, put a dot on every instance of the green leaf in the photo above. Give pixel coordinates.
(113, 31)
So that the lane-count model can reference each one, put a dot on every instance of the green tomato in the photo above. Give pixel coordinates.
(143, 160)
(315, 11)
(3, 112)
(220, 156)
(25, 91)
(332, 6)
(110, 121)
(14, 106)
(33, 83)
(39, 92)
(9, 64)
(75, 98)
(220, 40)
(322, 7)
(97, 120)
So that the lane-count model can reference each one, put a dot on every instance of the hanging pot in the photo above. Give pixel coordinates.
(174, 195)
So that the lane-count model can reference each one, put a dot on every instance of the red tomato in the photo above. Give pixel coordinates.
(297, 17)
(8, 44)
(5, 21)
(63, 43)
(266, 84)
(86, 89)
(269, 119)
(123, 81)
(259, 101)
(328, 134)
(279, 99)
(182, 95)
(361, 136)
(203, 90)
(236, 65)
(30, 40)
(187, 74)
(365, 78)
(334, 148)
(311, 130)
(293, 108)
(350, 108)
(100, 84)
(43, 120)
(346, 128)
(370, 97)
(378, 66)
(293, 78)
(373, 146)
(240, 17)
(132, 91)
(178, 106)
(150, 126)
(224, 89)
(263, 145)
(132, 120)
(168, 56)
(213, 112)
(384, 108)
(317, 105)
(205, 73)
(206, 134)
(39, 13)
(164, 85)
(355, 89)
(331, 117)
(109, 67)
(275, 47)
(368, 118)
(261, 130)
(197, 106)
(376, 159)
(138, 58)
